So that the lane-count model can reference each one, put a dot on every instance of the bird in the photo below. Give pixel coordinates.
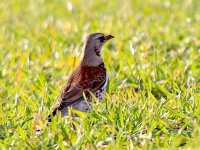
(89, 77)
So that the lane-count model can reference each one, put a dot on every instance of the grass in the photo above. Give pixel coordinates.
(154, 66)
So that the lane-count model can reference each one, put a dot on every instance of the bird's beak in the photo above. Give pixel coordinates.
(108, 37)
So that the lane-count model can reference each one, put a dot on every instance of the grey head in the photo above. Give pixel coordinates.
(95, 42)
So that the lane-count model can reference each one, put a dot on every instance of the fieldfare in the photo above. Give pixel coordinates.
(90, 76)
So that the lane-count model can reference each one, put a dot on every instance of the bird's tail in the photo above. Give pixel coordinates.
(49, 118)
(52, 114)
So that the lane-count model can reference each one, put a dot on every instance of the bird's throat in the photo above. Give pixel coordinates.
(92, 59)
(98, 52)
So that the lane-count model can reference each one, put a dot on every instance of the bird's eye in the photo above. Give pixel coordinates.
(102, 39)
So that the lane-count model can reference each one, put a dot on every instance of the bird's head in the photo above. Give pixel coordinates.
(94, 43)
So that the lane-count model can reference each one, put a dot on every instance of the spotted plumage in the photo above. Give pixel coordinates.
(90, 77)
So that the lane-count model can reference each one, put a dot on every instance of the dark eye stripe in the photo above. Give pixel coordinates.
(101, 39)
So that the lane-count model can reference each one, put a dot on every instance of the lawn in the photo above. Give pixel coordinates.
(153, 99)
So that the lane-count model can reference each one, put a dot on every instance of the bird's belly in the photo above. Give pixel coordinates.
(82, 106)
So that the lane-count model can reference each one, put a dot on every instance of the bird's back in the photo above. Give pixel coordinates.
(84, 79)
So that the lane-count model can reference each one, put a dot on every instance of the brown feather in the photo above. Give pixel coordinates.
(84, 79)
